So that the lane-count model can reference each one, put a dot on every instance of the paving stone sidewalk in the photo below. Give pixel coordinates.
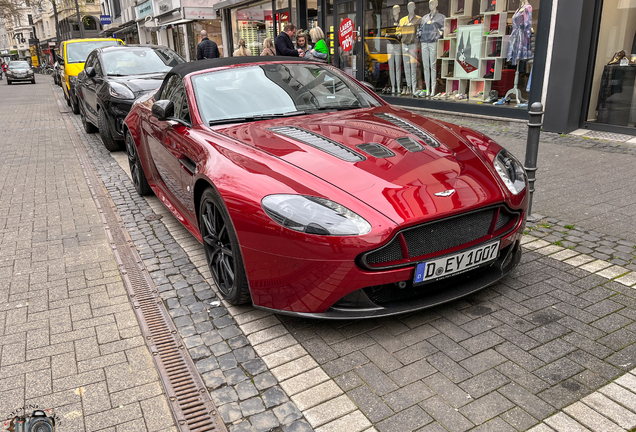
(69, 340)
(504, 359)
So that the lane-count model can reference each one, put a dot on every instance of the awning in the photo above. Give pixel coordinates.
(231, 3)
(177, 22)
(128, 29)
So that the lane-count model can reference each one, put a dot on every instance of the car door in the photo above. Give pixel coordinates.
(89, 88)
(165, 148)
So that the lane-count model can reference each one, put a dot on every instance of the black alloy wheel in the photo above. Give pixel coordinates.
(104, 132)
(222, 250)
(33, 81)
(89, 127)
(136, 170)
(74, 103)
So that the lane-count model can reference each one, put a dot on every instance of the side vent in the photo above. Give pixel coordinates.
(409, 127)
(410, 144)
(376, 150)
(320, 142)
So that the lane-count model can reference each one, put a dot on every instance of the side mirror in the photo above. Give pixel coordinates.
(90, 72)
(368, 86)
(163, 109)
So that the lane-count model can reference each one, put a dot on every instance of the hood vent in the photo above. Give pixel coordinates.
(320, 142)
(410, 144)
(376, 150)
(409, 127)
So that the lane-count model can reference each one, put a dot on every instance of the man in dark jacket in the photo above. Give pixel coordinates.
(207, 49)
(284, 45)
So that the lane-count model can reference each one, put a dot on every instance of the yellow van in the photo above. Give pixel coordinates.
(73, 54)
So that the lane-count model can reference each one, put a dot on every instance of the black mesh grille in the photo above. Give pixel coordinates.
(376, 150)
(391, 252)
(410, 144)
(320, 142)
(448, 233)
(409, 127)
(504, 218)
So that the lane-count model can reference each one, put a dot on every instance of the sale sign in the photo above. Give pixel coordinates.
(346, 34)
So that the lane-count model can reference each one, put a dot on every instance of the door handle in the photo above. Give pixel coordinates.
(188, 165)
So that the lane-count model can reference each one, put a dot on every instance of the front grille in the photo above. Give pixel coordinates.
(448, 233)
(409, 127)
(433, 238)
(390, 252)
(376, 150)
(320, 142)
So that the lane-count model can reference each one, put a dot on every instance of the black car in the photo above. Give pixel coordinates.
(19, 70)
(113, 77)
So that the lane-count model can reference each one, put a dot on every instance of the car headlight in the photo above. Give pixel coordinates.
(30, 72)
(313, 215)
(120, 91)
(511, 172)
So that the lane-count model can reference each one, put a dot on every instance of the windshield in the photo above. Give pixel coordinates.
(140, 61)
(19, 65)
(275, 89)
(77, 52)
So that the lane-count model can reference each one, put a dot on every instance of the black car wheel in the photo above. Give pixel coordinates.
(68, 101)
(74, 104)
(221, 249)
(89, 127)
(136, 170)
(104, 132)
(33, 81)
(8, 81)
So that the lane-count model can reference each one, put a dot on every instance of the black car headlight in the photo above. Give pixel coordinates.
(511, 172)
(120, 91)
(30, 72)
(313, 215)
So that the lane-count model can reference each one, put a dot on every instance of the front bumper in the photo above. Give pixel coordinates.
(21, 78)
(343, 290)
(117, 112)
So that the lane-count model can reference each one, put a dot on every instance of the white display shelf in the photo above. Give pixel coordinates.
(490, 45)
(451, 24)
(451, 43)
(447, 66)
(453, 84)
(486, 64)
(475, 87)
(461, 8)
(500, 6)
(495, 21)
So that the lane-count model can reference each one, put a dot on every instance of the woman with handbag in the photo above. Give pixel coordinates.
(320, 52)
(268, 48)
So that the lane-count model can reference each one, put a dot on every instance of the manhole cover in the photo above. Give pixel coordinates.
(153, 217)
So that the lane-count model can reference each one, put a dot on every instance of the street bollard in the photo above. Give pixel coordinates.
(532, 148)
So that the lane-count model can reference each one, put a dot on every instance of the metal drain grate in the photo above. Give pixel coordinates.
(189, 399)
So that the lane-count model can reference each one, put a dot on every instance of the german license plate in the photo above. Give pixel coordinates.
(441, 268)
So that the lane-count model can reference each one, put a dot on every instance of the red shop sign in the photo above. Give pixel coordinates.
(346, 34)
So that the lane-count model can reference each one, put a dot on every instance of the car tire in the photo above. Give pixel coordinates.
(68, 101)
(137, 174)
(104, 132)
(89, 127)
(222, 251)
(8, 81)
(33, 81)
(74, 104)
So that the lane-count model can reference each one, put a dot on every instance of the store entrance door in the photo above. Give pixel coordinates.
(350, 61)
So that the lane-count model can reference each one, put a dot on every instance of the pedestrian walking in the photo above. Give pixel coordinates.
(268, 48)
(302, 41)
(206, 49)
(320, 52)
(242, 50)
(4, 67)
(1, 68)
(284, 45)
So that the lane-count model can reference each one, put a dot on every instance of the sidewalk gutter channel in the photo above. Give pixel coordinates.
(189, 400)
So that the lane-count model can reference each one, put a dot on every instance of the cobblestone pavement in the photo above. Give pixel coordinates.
(69, 339)
(550, 347)
(583, 182)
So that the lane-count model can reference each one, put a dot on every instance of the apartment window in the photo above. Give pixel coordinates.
(48, 29)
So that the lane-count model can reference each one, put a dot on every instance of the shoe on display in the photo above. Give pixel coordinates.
(522, 105)
(449, 74)
(491, 5)
(446, 53)
(489, 75)
(500, 102)
(460, 11)
(493, 32)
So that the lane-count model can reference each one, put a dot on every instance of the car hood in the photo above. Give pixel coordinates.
(140, 84)
(403, 187)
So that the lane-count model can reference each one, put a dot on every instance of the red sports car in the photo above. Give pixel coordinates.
(315, 198)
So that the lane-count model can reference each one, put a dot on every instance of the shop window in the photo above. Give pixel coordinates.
(213, 27)
(466, 51)
(613, 93)
(254, 24)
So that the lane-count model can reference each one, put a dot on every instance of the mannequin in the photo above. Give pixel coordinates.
(408, 25)
(520, 47)
(430, 29)
(394, 52)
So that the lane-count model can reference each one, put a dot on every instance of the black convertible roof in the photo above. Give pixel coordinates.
(187, 68)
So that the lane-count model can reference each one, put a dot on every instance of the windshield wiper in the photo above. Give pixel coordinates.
(259, 117)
